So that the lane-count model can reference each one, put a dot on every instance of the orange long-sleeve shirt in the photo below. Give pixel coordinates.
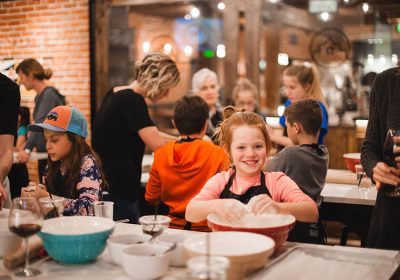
(179, 172)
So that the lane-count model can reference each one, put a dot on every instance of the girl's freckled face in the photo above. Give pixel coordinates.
(248, 150)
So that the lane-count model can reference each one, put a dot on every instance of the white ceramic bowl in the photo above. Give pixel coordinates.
(9, 242)
(139, 263)
(179, 256)
(276, 226)
(117, 243)
(246, 251)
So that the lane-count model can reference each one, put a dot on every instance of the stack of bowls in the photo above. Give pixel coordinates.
(77, 239)
(275, 226)
(144, 257)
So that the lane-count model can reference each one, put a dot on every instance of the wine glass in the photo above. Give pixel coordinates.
(363, 182)
(390, 155)
(25, 219)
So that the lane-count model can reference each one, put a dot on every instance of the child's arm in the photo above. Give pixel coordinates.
(153, 186)
(88, 190)
(228, 209)
(303, 211)
(278, 139)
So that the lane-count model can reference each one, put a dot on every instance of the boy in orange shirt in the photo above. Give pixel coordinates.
(181, 168)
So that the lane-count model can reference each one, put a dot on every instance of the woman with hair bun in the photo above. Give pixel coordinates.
(33, 76)
(123, 128)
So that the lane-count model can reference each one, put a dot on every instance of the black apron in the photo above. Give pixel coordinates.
(244, 198)
(252, 191)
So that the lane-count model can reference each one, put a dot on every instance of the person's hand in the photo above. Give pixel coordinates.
(231, 209)
(262, 204)
(384, 174)
(23, 157)
(396, 149)
(34, 190)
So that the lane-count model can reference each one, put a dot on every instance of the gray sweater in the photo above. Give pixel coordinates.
(304, 166)
(44, 102)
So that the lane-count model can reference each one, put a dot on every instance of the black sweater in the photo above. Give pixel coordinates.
(384, 114)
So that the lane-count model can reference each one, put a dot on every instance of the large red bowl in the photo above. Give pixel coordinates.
(275, 226)
(351, 160)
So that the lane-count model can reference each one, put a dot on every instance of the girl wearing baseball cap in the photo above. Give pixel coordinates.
(73, 170)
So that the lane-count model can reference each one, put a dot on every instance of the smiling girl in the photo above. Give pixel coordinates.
(73, 171)
(244, 137)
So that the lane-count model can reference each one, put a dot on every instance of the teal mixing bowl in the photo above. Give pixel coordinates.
(77, 239)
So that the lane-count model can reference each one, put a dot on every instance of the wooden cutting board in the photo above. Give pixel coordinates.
(341, 176)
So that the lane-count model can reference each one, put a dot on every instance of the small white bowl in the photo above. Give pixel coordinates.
(9, 242)
(117, 243)
(179, 256)
(139, 263)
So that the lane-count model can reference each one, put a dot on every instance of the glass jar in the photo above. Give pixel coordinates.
(203, 267)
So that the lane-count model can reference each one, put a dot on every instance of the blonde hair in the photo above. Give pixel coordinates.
(156, 72)
(244, 84)
(32, 66)
(200, 77)
(233, 119)
(306, 73)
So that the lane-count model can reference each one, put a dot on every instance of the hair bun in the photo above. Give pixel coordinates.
(47, 73)
(229, 111)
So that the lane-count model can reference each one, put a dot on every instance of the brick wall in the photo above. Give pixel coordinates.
(55, 32)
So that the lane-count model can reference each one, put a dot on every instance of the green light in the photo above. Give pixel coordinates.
(208, 53)
(398, 27)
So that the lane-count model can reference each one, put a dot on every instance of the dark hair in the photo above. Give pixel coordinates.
(31, 65)
(79, 150)
(25, 116)
(308, 113)
(190, 114)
